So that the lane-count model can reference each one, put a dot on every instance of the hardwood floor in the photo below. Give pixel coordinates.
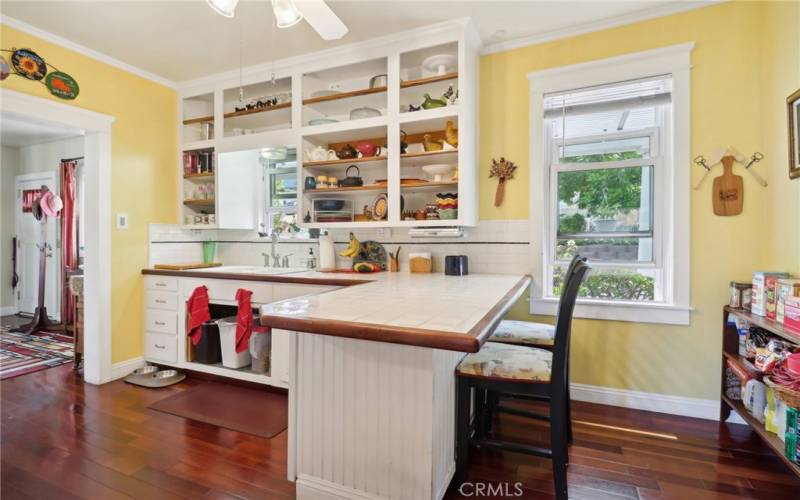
(62, 439)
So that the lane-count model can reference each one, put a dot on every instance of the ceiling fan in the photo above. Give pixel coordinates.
(288, 13)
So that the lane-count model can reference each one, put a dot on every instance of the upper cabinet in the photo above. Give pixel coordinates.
(385, 130)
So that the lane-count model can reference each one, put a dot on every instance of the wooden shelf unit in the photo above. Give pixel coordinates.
(430, 79)
(428, 154)
(381, 187)
(730, 351)
(205, 175)
(344, 95)
(199, 203)
(325, 163)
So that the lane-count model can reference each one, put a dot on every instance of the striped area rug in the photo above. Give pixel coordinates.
(21, 353)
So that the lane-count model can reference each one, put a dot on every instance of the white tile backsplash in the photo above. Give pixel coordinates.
(495, 246)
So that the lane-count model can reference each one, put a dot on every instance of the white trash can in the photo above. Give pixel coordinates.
(227, 339)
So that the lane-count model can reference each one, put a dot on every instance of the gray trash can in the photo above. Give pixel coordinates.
(260, 349)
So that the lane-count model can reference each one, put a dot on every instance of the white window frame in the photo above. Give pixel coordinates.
(672, 205)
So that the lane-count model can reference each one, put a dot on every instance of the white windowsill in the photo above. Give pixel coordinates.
(636, 313)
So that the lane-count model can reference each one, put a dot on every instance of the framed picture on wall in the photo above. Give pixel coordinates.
(793, 111)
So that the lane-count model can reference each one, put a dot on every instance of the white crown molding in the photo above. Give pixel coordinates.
(604, 24)
(280, 65)
(86, 51)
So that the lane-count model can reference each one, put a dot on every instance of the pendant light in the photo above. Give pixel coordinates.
(223, 7)
(286, 13)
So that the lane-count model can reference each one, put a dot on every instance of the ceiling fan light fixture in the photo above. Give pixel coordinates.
(286, 13)
(223, 7)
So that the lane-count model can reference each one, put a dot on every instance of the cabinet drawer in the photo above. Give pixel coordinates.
(161, 300)
(159, 347)
(225, 291)
(161, 321)
(162, 283)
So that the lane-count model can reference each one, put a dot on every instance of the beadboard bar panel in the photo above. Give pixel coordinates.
(368, 424)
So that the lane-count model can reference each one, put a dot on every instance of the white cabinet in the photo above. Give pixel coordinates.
(280, 355)
(237, 181)
(165, 339)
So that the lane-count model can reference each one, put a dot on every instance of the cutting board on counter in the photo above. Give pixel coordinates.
(185, 267)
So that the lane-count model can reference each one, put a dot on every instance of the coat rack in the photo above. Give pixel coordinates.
(728, 189)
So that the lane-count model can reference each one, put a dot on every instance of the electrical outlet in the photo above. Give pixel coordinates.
(383, 233)
(336, 87)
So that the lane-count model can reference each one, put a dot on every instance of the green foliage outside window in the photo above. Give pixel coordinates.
(602, 193)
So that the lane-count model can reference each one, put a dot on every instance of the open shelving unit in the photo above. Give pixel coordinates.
(308, 104)
(730, 353)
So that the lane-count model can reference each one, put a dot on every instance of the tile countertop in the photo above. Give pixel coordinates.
(456, 313)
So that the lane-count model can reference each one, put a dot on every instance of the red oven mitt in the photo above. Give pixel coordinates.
(197, 309)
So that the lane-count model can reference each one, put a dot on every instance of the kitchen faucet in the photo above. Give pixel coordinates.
(276, 257)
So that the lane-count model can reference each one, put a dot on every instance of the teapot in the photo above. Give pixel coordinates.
(368, 149)
(347, 152)
(320, 154)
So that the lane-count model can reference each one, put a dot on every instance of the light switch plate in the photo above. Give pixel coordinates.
(122, 221)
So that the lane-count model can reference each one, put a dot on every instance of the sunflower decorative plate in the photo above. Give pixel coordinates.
(380, 207)
(28, 64)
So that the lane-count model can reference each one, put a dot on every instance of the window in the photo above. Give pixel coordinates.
(280, 186)
(604, 147)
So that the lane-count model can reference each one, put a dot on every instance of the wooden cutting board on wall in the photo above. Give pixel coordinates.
(728, 190)
(184, 267)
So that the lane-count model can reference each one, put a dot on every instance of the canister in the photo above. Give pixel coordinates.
(741, 294)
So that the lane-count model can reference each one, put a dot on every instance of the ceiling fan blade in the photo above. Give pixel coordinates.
(322, 19)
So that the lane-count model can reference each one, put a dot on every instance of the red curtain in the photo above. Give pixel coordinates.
(69, 236)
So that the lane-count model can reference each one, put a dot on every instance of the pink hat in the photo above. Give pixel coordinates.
(51, 204)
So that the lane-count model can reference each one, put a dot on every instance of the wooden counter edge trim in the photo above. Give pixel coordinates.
(274, 278)
(470, 341)
(417, 337)
(486, 326)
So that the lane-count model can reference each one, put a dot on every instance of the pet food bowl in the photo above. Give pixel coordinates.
(145, 370)
(153, 377)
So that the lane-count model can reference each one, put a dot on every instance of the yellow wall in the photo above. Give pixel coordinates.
(745, 62)
(144, 150)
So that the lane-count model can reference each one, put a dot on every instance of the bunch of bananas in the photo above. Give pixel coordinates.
(353, 249)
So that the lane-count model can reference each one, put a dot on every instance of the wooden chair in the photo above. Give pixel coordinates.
(530, 334)
(507, 369)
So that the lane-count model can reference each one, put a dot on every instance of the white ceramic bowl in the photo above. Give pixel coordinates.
(439, 171)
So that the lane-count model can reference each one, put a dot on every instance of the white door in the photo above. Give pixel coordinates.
(29, 234)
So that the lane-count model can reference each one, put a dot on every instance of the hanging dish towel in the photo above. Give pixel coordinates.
(244, 320)
(197, 308)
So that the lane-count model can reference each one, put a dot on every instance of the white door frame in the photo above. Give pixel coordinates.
(55, 283)
(96, 220)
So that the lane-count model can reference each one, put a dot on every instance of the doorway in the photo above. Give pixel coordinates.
(95, 140)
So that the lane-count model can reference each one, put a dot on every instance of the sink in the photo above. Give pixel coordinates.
(260, 270)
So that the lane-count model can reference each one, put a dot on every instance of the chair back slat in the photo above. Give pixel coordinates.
(566, 307)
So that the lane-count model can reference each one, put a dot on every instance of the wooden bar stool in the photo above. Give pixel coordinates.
(514, 370)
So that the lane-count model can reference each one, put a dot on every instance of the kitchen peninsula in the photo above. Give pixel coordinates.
(371, 362)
